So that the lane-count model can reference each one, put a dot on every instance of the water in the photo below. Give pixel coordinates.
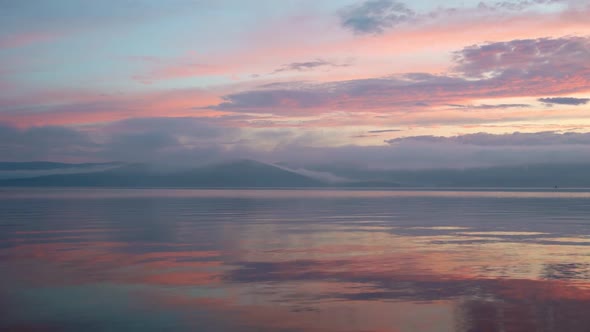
(294, 260)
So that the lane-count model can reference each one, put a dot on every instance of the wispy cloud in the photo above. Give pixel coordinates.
(384, 131)
(490, 106)
(518, 5)
(309, 65)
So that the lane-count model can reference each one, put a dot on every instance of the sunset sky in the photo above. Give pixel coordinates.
(395, 83)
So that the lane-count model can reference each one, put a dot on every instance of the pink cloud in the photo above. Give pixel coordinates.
(518, 68)
(75, 107)
(27, 39)
(269, 51)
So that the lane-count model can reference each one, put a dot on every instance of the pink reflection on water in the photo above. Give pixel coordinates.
(50, 264)
(277, 271)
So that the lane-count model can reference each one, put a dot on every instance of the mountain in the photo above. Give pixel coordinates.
(19, 170)
(253, 174)
(238, 174)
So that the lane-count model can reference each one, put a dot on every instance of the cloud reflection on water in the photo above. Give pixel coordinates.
(291, 263)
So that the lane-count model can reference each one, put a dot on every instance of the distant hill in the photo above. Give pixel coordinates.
(46, 165)
(253, 174)
(244, 173)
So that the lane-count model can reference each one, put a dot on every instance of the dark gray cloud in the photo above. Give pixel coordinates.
(434, 153)
(173, 142)
(532, 67)
(306, 66)
(565, 101)
(163, 140)
(375, 16)
(43, 143)
(514, 139)
(179, 127)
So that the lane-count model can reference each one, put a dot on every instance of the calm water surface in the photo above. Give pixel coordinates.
(293, 260)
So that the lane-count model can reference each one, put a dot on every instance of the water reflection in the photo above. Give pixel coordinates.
(107, 260)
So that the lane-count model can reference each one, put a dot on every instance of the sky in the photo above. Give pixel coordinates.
(394, 84)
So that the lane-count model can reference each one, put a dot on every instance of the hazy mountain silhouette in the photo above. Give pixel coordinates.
(243, 173)
(48, 165)
(253, 174)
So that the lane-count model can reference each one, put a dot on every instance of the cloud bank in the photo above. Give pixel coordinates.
(548, 138)
(186, 142)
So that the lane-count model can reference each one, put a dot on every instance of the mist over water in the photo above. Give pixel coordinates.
(294, 260)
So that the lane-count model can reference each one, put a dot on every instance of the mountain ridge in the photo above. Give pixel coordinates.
(247, 173)
(242, 173)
